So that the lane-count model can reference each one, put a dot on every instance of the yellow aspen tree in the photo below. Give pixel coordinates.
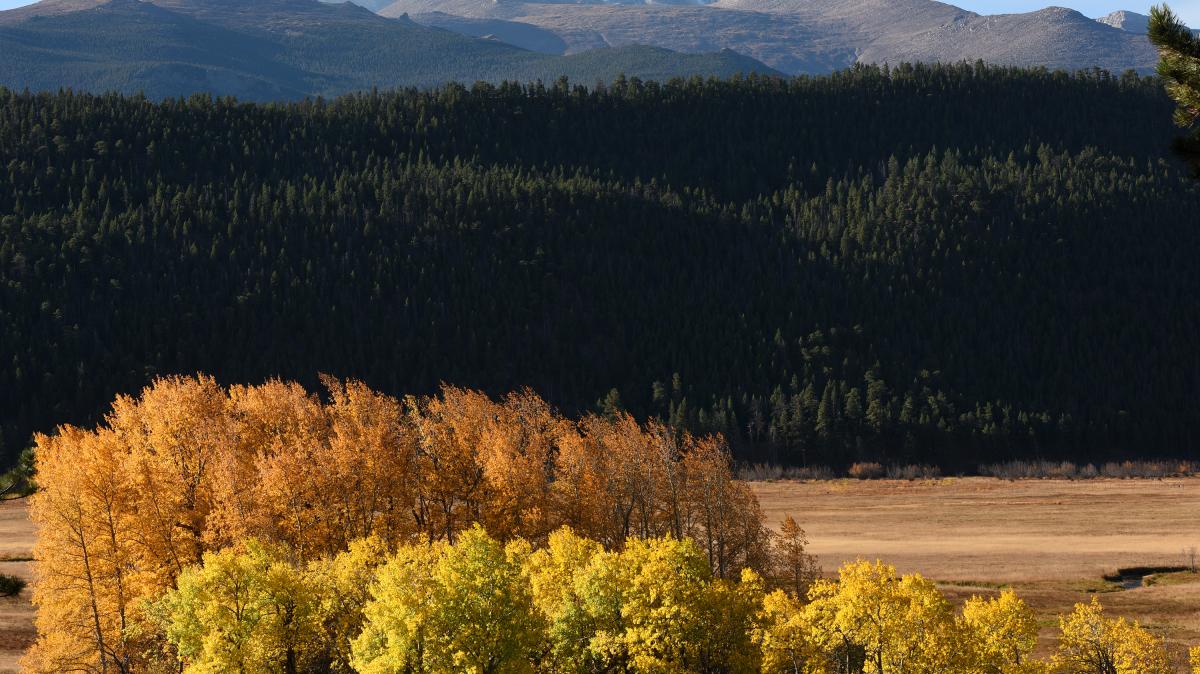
(931, 639)
(662, 592)
(400, 618)
(840, 628)
(725, 640)
(558, 582)
(785, 635)
(1093, 644)
(343, 586)
(601, 587)
(895, 625)
(84, 588)
(652, 607)
(1003, 631)
(246, 609)
(452, 608)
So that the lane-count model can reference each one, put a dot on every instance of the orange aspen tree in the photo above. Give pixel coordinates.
(84, 587)
(274, 491)
(176, 433)
(580, 485)
(631, 482)
(368, 475)
(518, 451)
(667, 513)
(451, 489)
(794, 568)
(728, 520)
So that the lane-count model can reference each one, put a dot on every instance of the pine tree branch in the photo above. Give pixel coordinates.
(1168, 33)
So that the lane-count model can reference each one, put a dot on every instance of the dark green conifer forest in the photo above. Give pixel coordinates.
(940, 264)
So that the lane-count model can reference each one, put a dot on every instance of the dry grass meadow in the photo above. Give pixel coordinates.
(16, 613)
(1051, 540)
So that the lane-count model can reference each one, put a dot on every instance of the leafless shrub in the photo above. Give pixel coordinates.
(760, 472)
(913, 472)
(765, 472)
(818, 473)
(1008, 470)
(1017, 470)
(1130, 469)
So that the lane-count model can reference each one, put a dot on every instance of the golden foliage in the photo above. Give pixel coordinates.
(263, 529)
(789, 639)
(892, 624)
(1094, 644)
(189, 467)
(245, 609)
(1004, 632)
(451, 608)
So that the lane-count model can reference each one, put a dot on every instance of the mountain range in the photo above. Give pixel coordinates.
(286, 49)
(804, 36)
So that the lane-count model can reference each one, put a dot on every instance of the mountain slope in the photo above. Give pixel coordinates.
(1127, 21)
(126, 45)
(272, 49)
(523, 35)
(1130, 22)
(789, 262)
(814, 36)
(1054, 37)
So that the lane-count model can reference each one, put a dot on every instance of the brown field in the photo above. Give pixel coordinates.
(1051, 540)
(16, 613)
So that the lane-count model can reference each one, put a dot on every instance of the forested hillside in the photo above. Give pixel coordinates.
(271, 50)
(894, 265)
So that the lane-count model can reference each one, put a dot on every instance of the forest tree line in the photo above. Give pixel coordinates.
(264, 529)
(896, 265)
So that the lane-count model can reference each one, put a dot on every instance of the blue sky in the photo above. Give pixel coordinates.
(1188, 9)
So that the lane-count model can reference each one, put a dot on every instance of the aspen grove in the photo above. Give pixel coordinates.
(203, 528)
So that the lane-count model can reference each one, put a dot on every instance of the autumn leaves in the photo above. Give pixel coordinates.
(479, 605)
(263, 529)
(871, 620)
(189, 467)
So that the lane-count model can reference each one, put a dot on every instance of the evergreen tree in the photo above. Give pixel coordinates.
(1179, 66)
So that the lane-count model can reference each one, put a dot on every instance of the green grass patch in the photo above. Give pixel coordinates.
(10, 586)
(1095, 586)
(1174, 578)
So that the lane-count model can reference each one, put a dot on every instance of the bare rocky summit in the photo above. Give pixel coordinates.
(1131, 22)
(814, 36)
